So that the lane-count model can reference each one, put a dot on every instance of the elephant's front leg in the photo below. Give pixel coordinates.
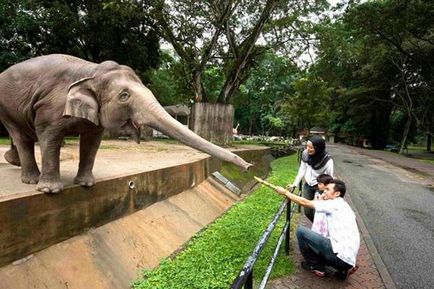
(89, 144)
(50, 143)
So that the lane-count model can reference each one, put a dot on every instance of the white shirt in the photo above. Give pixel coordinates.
(310, 174)
(342, 226)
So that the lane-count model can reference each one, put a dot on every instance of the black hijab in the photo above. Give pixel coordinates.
(320, 157)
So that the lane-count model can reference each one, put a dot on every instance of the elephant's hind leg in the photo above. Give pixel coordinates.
(29, 169)
(12, 157)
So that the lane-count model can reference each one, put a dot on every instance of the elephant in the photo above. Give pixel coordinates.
(47, 97)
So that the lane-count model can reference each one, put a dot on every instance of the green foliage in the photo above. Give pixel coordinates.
(397, 123)
(258, 103)
(224, 34)
(213, 81)
(307, 104)
(377, 58)
(94, 30)
(13, 23)
(166, 84)
(213, 258)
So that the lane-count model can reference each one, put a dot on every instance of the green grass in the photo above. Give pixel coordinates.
(260, 142)
(213, 258)
(428, 161)
(4, 141)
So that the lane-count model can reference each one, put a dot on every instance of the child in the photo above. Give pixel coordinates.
(319, 224)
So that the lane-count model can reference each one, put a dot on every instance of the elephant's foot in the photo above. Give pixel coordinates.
(30, 178)
(11, 156)
(50, 187)
(85, 180)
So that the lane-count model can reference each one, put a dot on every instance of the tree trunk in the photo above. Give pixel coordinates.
(246, 47)
(429, 134)
(199, 93)
(250, 126)
(405, 134)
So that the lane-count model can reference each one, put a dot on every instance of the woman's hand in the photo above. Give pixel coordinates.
(281, 191)
(290, 186)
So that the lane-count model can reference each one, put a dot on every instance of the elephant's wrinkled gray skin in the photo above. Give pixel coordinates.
(47, 97)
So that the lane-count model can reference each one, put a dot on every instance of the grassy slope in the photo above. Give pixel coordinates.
(213, 258)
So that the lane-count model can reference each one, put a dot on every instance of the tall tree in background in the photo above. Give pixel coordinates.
(405, 29)
(225, 33)
(378, 57)
(94, 30)
(261, 97)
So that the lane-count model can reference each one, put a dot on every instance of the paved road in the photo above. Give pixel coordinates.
(398, 213)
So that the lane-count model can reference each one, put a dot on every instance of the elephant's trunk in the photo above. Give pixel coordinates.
(156, 117)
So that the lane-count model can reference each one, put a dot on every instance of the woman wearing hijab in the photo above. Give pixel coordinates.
(315, 161)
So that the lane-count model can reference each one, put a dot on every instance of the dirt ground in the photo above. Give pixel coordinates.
(114, 158)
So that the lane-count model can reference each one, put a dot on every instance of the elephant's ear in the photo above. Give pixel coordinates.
(81, 102)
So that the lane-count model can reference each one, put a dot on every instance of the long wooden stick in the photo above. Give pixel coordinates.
(270, 185)
(265, 183)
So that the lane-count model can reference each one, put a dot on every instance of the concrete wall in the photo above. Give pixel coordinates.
(34, 221)
(112, 256)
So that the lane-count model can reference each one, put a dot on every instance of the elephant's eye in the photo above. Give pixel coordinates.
(124, 96)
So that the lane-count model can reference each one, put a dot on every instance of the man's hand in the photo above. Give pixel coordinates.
(281, 191)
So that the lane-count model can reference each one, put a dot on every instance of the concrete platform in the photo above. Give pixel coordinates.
(32, 221)
(114, 159)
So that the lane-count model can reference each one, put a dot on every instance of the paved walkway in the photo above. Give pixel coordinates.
(371, 274)
(425, 170)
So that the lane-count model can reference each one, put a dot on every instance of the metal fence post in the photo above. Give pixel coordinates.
(288, 232)
(300, 190)
(249, 281)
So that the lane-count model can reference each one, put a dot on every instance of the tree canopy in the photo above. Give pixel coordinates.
(364, 70)
(378, 58)
(94, 30)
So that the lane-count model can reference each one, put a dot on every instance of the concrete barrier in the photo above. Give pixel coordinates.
(32, 221)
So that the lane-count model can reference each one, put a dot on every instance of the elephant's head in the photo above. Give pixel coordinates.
(115, 98)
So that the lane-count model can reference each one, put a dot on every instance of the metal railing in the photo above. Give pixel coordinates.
(245, 277)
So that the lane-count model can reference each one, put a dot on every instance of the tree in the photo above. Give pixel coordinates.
(13, 44)
(94, 30)
(377, 57)
(402, 29)
(260, 98)
(224, 33)
(307, 103)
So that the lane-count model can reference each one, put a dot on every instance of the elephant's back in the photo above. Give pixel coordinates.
(24, 84)
(42, 65)
(31, 75)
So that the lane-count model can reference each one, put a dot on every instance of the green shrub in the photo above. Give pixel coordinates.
(214, 257)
